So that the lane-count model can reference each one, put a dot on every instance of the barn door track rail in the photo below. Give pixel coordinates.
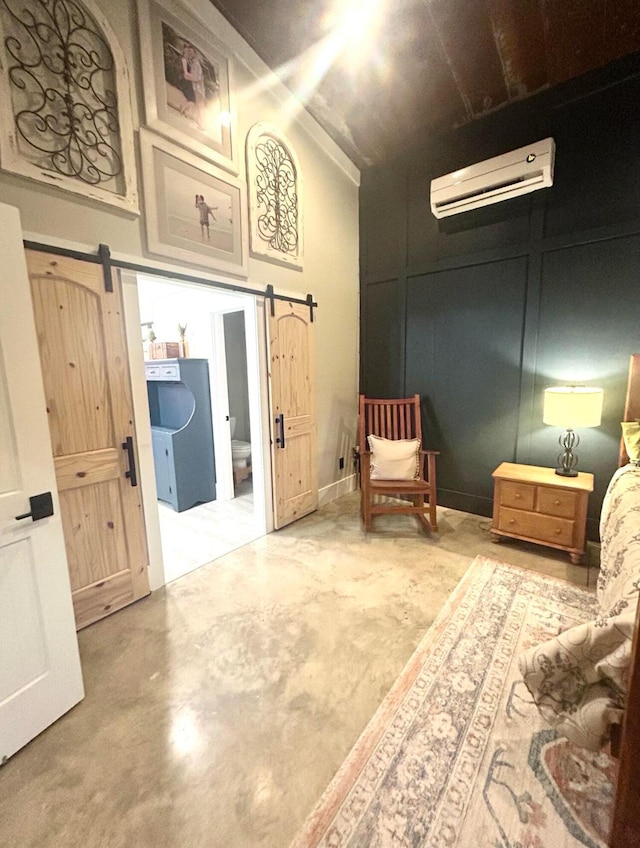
(103, 257)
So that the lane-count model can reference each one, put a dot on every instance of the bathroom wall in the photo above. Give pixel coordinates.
(236, 355)
(170, 304)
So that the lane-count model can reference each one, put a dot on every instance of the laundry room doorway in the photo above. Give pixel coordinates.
(202, 371)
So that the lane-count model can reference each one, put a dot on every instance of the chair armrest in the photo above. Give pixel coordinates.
(428, 465)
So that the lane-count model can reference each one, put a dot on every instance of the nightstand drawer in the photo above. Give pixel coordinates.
(562, 504)
(518, 495)
(543, 528)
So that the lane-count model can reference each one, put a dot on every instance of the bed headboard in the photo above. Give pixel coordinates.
(632, 401)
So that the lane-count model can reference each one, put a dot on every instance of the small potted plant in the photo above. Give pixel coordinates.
(184, 344)
(152, 345)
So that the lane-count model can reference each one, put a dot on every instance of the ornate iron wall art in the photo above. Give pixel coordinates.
(61, 73)
(275, 196)
(275, 181)
(62, 90)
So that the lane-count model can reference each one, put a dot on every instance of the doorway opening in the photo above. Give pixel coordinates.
(202, 372)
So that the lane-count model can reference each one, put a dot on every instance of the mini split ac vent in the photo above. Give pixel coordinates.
(500, 178)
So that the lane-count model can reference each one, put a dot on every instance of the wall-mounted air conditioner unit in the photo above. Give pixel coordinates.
(518, 172)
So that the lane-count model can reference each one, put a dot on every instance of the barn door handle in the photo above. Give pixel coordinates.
(41, 507)
(280, 423)
(131, 474)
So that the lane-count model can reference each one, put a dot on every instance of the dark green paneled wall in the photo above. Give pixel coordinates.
(480, 312)
(448, 323)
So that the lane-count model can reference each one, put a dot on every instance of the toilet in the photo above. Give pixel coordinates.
(240, 451)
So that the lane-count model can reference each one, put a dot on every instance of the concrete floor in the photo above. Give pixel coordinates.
(218, 709)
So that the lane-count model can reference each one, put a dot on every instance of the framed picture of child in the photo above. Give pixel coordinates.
(187, 82)
(194, 211)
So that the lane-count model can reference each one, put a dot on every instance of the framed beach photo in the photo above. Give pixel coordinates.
(194, 211)
(186, 75)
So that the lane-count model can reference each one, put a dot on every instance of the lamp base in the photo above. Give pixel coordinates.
(568, 460)
(571, 472)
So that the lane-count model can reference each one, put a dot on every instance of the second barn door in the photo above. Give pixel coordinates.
(81, 337)
(292, 406)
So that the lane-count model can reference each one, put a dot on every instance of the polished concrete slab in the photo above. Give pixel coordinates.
(219, 708)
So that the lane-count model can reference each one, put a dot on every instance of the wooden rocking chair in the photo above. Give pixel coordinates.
(396, 419)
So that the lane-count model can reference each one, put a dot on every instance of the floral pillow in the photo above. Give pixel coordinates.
(394, 459)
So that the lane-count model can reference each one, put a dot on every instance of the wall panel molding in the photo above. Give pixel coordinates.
(495, 306)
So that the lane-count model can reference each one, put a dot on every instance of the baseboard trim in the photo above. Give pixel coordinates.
(475, 504)
(335, 490)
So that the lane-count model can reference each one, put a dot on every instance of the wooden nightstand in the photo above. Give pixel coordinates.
(537, 505)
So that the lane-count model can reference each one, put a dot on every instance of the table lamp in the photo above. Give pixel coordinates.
(571, 407)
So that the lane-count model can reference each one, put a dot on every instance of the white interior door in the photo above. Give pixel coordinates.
(40, 676)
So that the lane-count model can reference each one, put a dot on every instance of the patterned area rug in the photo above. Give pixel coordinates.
(457, 755)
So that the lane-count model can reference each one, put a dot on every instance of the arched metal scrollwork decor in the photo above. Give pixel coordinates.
(63, 99)
(275, 196)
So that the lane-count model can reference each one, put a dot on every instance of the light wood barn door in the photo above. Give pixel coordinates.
(85, 369)
(293, 417)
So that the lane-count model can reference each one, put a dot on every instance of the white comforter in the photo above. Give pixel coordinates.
(578, 678)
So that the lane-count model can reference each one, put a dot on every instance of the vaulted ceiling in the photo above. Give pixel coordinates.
(431, 65)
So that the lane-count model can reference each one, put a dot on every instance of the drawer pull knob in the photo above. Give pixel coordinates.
(512, 521)
(556, 503)
(518, 496)
(558, 531)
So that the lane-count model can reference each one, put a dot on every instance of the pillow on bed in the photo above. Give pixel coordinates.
(394, 459)
(631, 436)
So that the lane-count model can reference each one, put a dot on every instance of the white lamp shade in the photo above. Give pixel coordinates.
(572, 407)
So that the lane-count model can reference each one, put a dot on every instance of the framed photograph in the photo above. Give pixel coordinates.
(274, 181)
(186, 74)
(194, 212)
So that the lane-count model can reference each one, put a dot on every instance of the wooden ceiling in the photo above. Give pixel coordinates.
(433, 64)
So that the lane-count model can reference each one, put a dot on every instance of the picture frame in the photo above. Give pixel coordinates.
(187, 79)
(274, 183)
(194, 212)
(92, 155)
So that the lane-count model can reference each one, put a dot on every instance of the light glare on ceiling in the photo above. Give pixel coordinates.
(353, 26)
(348, 38)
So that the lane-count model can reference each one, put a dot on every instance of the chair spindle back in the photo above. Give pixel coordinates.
(389, 418)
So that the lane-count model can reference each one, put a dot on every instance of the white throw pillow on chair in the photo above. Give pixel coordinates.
(394, 459)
